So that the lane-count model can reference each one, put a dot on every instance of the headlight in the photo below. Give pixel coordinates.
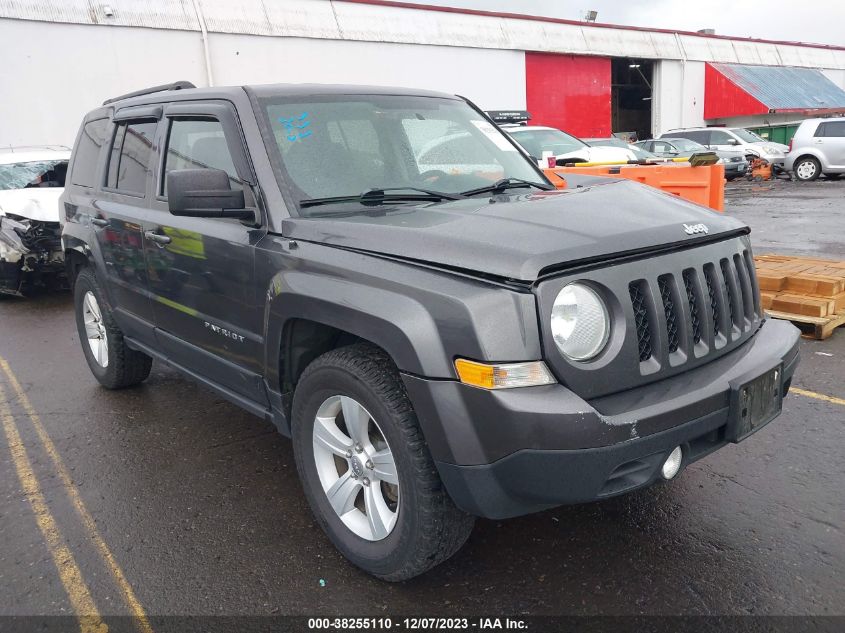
(580, 322)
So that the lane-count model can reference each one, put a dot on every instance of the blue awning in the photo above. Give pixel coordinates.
(784, 89)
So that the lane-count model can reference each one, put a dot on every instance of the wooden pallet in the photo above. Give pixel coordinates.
(808, 291)
(818, 328)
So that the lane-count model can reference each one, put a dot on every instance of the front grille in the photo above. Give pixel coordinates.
(670, 315)
(641, 320)
(727, 310)
(42, 236)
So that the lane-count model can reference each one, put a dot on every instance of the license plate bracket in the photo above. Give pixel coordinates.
(755, 403)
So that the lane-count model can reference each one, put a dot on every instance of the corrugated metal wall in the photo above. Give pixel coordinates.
(335, 19)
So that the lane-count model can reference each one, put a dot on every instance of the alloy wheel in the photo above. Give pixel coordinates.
(95, 329)
(356, 468)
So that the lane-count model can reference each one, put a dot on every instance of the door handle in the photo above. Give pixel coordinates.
(99, 222)
(158, 238)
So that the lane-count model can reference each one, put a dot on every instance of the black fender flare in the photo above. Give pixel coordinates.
(392, 320)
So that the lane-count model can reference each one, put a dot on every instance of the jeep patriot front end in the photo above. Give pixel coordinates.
(390, 280)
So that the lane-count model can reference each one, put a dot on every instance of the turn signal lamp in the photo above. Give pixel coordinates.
(503, 376)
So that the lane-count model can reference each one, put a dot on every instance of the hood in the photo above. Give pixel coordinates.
(601, 154)
(36, 203)
(518, 236)
(772, 148)
(729, 153)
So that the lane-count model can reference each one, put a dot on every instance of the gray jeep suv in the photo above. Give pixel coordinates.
(442, 334)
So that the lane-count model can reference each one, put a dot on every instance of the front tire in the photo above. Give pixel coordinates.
(114, 364)
(806, 169)
(365, 467)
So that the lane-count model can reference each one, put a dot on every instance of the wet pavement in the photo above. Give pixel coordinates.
(199, 504)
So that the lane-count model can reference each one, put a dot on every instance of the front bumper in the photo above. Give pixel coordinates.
(511, 452)
(736, 169)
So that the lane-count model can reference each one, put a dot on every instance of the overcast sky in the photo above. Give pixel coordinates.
(817, 21)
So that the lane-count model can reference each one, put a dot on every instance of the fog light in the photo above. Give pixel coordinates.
(672, 464)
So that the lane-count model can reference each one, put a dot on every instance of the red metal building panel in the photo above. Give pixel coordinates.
(570, 92)
(723, 98)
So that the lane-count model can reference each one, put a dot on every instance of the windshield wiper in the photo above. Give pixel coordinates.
(377, 196)
(500, 186)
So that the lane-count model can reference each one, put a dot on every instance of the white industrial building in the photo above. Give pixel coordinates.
(64, 57)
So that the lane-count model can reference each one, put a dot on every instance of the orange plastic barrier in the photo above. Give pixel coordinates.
(704, 184)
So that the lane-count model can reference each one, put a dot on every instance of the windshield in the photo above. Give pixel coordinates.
(746, 135)
(43, 173)
(686, 145)
(344, 146)
(538, 141)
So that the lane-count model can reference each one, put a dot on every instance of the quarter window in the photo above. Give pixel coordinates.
(130, 156)
(198, 143)
(720, 138)
(832, 128)
(87, 152)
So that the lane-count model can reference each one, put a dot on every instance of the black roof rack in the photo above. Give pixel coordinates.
(176, 85)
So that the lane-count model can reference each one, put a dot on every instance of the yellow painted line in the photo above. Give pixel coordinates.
(87, 520)
(69, 572)
(817, 396)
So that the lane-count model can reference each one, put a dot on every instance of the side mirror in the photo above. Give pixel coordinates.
(205, 193)
(733, 141)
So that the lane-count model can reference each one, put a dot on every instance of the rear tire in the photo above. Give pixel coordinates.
(112, 362)
(806, 169)
(425, 528)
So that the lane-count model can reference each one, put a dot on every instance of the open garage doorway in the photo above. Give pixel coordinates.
(631, 81)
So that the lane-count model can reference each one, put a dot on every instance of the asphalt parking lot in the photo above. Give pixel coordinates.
(170, 500)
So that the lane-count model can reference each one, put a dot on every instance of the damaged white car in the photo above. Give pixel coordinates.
(31, 181)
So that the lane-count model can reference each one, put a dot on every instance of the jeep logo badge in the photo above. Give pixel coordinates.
(692, 229)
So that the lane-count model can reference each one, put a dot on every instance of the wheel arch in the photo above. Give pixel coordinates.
(805, 156)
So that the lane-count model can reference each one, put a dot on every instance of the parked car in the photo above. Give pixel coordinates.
(734, 160)
(818, 147)
(732, 138)
(439, 345)
(31, 181)
(537, 140)
(613, 141)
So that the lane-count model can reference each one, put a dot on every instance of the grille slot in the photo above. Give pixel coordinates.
(744, 286)
(710, 278)
(752, 278)
(641, 319)
(664, 283)
(695, 317)
(727, 290)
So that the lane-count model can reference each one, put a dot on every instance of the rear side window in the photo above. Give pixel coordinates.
(720, 138)
(130, 156)
(88, 152)
(198, 143)
(831, 128)
(699, 136)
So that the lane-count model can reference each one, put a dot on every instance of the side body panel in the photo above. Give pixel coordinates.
(206, 307)
(423, 318)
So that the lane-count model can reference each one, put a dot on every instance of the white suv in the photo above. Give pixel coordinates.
(818, 147)
(733, 138)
